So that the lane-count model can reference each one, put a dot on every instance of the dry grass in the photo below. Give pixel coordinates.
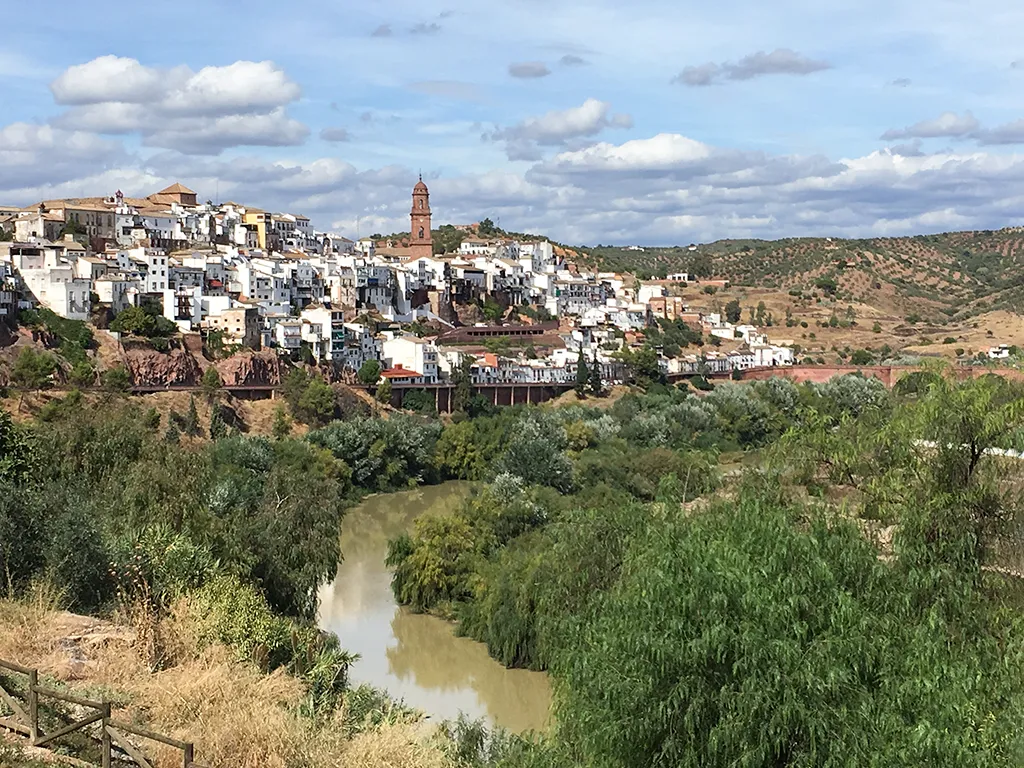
(235, 715)
(570, 398)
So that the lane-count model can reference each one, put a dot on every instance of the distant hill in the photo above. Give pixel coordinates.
(954, 275)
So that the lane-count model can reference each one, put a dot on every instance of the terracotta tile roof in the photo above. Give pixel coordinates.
(398, 372)
(176, 189)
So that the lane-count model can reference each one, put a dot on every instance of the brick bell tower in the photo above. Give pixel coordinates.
(420, 241)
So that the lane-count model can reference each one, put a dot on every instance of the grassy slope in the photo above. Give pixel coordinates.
(962, 285)
(236, 716)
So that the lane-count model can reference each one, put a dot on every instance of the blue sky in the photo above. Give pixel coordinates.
(589, 120)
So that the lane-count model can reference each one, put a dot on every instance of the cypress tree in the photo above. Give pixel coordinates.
(596, 384)
(582, 375)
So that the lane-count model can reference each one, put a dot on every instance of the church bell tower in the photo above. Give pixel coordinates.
(420, 241)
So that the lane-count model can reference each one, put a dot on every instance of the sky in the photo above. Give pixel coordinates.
(589, 121)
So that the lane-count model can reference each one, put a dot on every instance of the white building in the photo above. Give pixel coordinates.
(412, 354)
(117, 290)
(324, 329)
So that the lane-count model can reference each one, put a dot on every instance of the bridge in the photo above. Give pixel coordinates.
(498, 394)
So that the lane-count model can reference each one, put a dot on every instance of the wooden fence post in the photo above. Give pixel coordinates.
(190, 753)
(105, 746)
(33, 705)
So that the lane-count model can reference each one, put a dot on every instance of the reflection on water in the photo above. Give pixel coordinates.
(415, 657)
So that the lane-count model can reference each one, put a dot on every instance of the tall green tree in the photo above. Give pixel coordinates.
(192, 426)
(369, 373)
(384, 392)
(317, 404)
(596, 383)
(282, 426)
(212, 384)
(733, 311)
(582, 374)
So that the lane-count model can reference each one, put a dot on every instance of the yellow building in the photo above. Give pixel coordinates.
(262, 221)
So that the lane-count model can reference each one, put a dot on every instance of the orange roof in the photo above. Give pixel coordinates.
(176, 189)
(398, 372)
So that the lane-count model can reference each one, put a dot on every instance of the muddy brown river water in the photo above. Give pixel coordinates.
(415, 657)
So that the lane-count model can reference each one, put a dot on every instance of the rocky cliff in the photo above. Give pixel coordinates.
(252, 369)
(150, 368)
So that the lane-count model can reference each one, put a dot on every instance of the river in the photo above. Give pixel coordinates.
(418, 658)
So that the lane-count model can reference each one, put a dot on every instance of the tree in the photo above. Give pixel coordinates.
(211, 384)
(294, 387)
(152, 419)
(596, 384)
(369, 373)
(282, 426)
(761, 315)
(582, 375)
(827, 284)
(31, 371)
(735, 684)
(462, 384)
(486, 228)
(317, 403)
(733, 311)
(192, 426)
(862, 357)
(15, 453)
(134, 321)
(82, 374)
(116, 379)
(218, 427)
(644, 367)
(384, 392)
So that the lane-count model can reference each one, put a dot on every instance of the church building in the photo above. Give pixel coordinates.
(420, 241)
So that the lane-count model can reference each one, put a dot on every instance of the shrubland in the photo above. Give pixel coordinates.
(846, 601)
(772, 623)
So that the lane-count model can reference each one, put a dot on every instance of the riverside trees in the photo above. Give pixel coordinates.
(761, 630)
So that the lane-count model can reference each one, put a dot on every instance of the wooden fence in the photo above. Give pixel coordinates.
(114, 741)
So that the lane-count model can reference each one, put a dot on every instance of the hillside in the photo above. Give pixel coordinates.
(951, 276)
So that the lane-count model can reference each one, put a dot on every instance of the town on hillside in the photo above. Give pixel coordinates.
(510, 309)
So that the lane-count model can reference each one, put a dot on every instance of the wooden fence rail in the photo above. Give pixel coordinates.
(113, 734)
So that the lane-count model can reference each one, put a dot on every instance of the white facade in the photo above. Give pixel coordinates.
(413, 354)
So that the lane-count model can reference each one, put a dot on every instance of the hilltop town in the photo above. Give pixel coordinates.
(509, 309)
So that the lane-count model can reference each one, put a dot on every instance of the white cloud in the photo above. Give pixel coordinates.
(667, 188)
(245, 86)
(203, 112)
(946, 125)
(211, 136)
(110, 78)
(556, 128)
(42, 154)
(1009, 133)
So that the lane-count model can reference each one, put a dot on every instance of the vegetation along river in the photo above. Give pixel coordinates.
(415, 657)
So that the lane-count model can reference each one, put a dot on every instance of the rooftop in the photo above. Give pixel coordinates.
(176, 189)
(398, 372)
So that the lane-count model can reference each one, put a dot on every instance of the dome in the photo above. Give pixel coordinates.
(420, 186)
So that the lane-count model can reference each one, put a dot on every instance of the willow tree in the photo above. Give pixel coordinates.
(740, 637)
